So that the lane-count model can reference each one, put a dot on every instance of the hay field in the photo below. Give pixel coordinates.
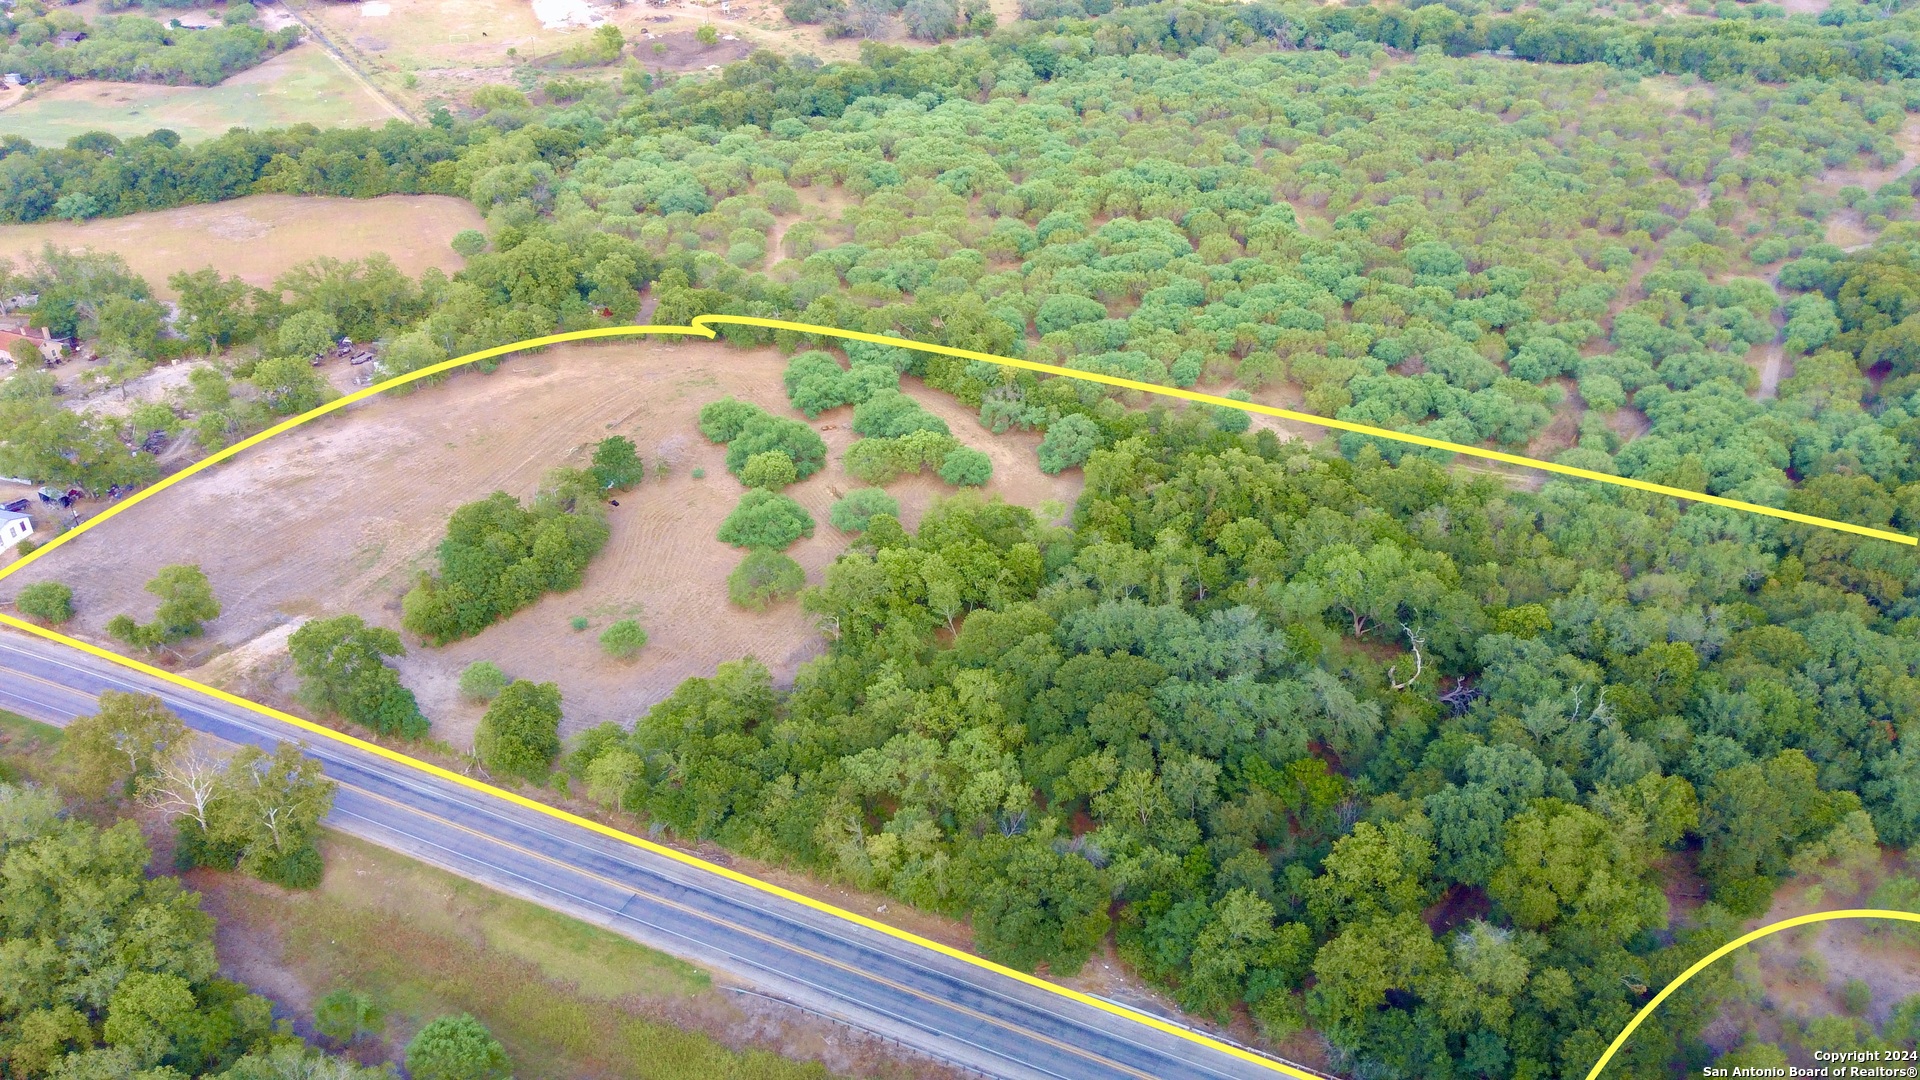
(301, 85)
(261, 236)
(340, 516)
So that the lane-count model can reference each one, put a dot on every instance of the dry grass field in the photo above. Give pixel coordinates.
(340, 516)
(302, 85)
(261, 236)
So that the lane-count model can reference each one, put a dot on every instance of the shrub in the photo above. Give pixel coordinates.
(345, 1015)
(520, 734)
(772, 470)
(1061, 312)
(456, 1048)
(186, 602)
(766, 520)
(890, 414)
(623, 639)
(48, 601)
(699, 474)
(1856, 997)
(850, 515)
(964, 466)
(1070, 441)
(723, 420)
(578, 622)
(748, 430)
(300, 868)
(815, 382)
(813, 11)
(482, 681)
(764, 578)
(1230, 419)
(877, 461)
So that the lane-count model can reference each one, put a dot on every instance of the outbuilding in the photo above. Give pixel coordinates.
(14, 527)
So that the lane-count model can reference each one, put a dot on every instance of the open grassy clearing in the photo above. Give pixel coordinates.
(340, 516)
(261, 236)
(300, 86)
(26, 748)
(566, 999)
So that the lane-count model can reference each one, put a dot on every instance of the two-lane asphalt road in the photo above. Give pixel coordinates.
(943, 1006)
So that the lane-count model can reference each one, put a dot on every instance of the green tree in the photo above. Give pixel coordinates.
(186, 603)
(269, 811)
(456, 1048)
(120, 744)
(624, 639)
(213, 311)
(289, 385)
(616, 464)
(342, 665)
(482, 681)
(307, 334)
(707, 35)
(469, 242)
(1044, 908)
(520, 733)
(766, 520)
(1069, 441)
(129, 328)
(765, 578)
(48, 601)
(26, 355)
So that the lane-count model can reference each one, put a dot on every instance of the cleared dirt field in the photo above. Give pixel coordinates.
(341, 515)
(301, 85)
(261, 236)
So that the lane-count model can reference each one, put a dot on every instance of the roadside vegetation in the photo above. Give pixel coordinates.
(453, 980)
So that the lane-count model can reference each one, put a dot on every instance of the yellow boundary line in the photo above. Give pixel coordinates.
(702, 326)
(648, 845)
(1748, 938)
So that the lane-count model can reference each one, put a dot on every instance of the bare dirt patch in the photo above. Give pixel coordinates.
(261, 236)
(1799, 974)
(341, 515)
(680, 50)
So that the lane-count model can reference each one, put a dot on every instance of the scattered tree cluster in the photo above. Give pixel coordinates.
(1281, 703)
(500, 556)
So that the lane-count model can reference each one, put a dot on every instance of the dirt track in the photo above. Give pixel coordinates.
(339, 517)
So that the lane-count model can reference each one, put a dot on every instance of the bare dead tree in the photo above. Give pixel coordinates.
(1419, 660)
(184, 781)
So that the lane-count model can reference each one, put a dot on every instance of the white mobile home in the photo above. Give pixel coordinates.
(14, 527)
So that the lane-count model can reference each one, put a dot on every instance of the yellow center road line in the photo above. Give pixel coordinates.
(757, 935)
(662, 850)
(1751, 936)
